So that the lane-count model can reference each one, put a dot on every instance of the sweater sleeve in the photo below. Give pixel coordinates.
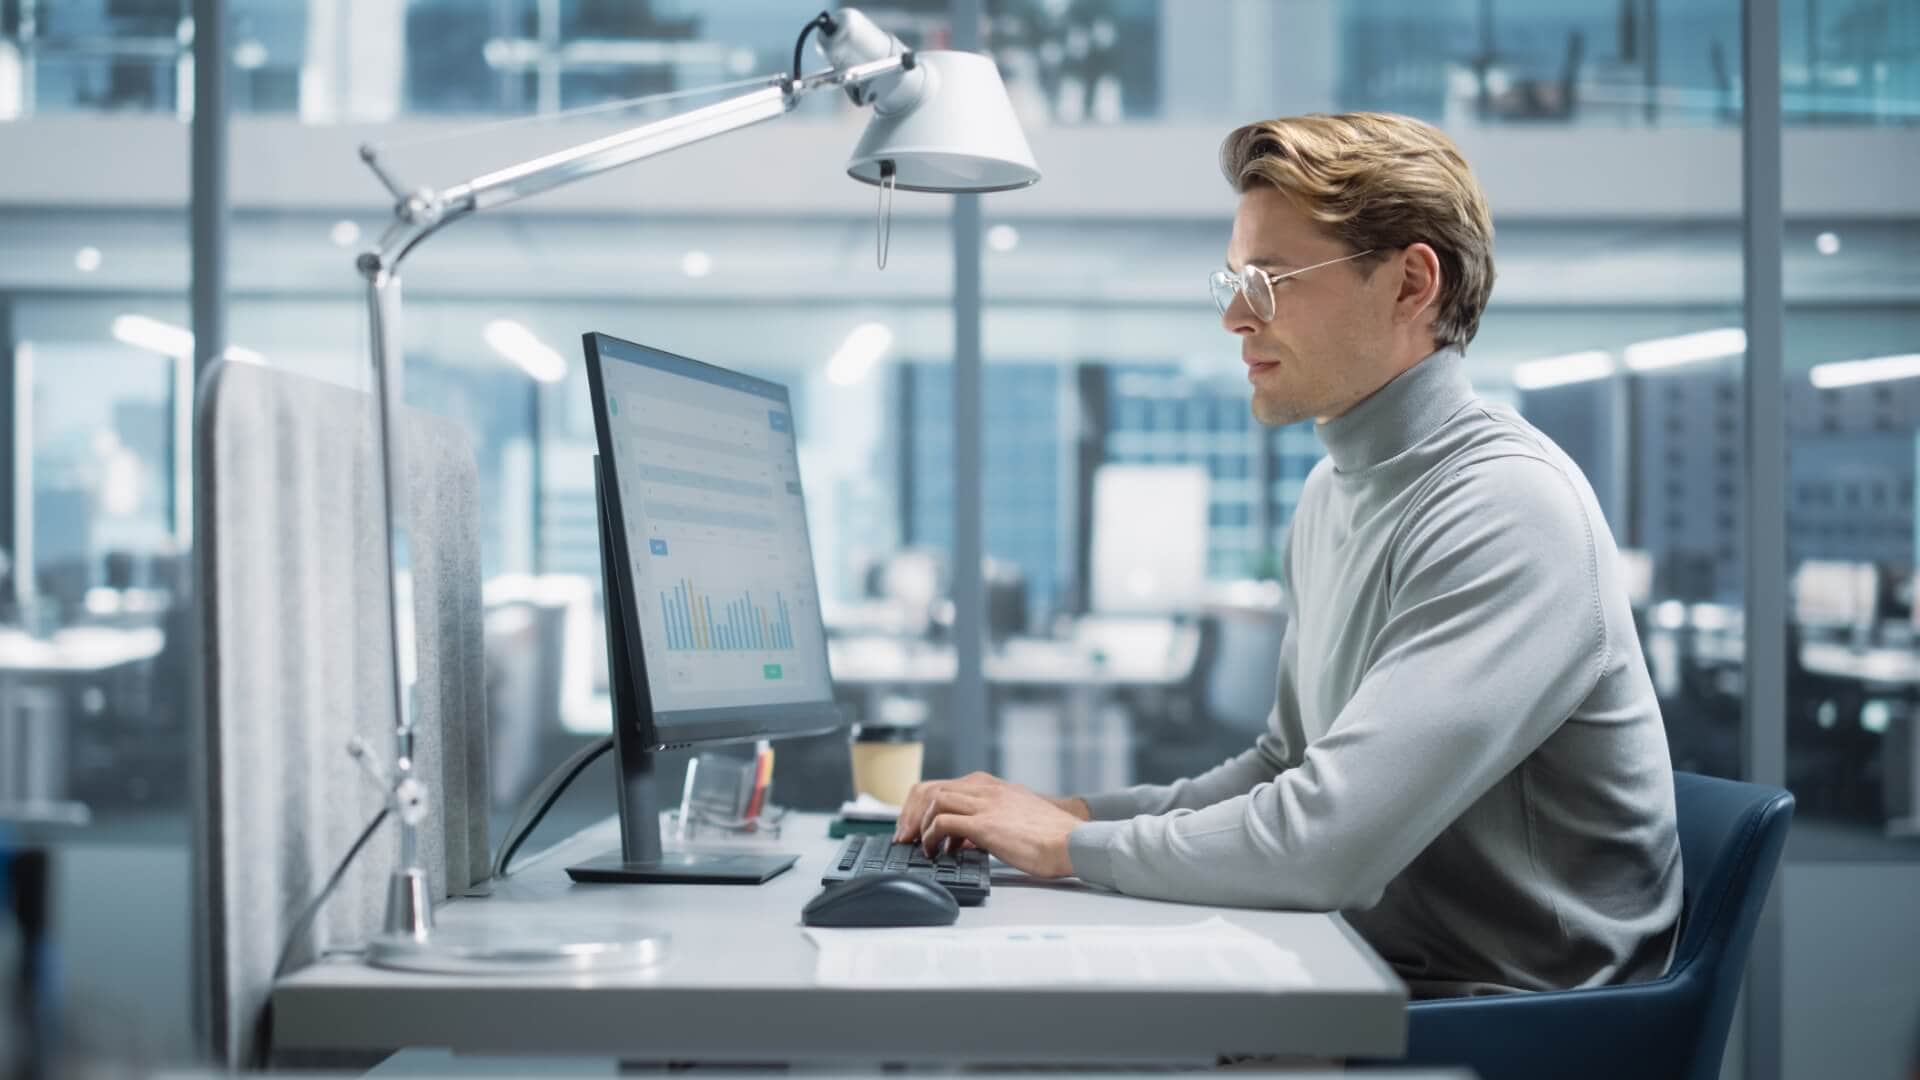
(1494, 634)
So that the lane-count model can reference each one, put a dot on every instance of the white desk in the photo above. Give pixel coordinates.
(1084, 744)
(33, 721)
(737, 985)
(1882, 666)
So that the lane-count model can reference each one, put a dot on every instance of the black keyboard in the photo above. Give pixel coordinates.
(964, 875)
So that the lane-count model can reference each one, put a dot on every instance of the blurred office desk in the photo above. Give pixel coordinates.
(1083, 744)
(36, 681)
(1892, 668)
(737, 985)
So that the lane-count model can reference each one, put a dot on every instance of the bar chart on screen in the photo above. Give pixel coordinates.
(722, 580)
(740, 623)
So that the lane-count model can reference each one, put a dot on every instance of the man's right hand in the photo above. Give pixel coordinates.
(914, 811)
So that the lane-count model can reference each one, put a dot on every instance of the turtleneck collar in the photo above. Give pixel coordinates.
(1399, 414)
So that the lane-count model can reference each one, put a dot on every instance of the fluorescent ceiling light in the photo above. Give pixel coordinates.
(1561, 370)
(856, 356)
(87, 259)
(170, 340)
(153, 335)
(696, 263)
(518, 344)
(1856, 372)
(250, 55)
(1686, 349)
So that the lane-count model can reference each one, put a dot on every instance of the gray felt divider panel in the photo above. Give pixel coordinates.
(291, 571)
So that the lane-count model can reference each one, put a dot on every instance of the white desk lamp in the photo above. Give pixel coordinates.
(942, 123)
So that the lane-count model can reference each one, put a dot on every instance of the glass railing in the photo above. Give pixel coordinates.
(1066, 62)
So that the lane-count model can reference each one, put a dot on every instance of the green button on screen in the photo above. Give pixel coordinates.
(771, 671)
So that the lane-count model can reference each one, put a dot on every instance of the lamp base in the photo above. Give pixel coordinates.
(683, 868)
(489, 950)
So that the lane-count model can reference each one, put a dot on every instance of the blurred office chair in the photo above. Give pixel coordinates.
(1243, 665)
(296, 661)
(1731, 835)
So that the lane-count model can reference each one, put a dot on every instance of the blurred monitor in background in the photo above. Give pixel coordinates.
(1006, 588)
(1149, 538)
(1636, 574)
(1829, 594)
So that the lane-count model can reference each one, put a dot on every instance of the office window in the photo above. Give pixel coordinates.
(1851, 559)
(1025, 518)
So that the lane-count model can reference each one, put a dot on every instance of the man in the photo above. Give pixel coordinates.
(1465, 755)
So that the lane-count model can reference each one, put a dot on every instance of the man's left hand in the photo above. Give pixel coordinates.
(1025, 830)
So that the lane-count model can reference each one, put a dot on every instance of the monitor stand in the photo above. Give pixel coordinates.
(641, 858)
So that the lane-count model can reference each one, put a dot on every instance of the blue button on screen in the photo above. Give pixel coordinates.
(659, 547)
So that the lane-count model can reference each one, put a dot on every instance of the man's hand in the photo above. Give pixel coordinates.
(1025, 830)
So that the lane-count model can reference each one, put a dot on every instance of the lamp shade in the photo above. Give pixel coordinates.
(960, 137)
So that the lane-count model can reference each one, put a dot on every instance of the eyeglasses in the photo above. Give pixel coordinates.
(1257, 285)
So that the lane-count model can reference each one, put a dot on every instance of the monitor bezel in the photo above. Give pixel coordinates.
(680, 727)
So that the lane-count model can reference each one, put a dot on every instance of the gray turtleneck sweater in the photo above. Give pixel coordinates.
(1465, 755)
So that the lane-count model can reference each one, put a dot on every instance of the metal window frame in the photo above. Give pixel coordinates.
(1763, 745)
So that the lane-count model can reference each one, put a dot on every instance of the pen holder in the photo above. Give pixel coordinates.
(691, 825)
(728, 795)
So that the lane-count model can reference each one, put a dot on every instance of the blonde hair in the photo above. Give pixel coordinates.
(1379, 181)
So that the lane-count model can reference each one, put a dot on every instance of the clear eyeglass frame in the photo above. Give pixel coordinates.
(1257, 285)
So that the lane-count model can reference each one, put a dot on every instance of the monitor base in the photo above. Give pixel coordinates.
(684, 868)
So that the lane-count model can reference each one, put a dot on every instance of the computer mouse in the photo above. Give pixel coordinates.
(882, 900)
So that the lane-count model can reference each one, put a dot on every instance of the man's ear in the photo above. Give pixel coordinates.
(1419, 294)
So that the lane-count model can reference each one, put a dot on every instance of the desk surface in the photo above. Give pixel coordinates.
(737, 984)
(1885, 664)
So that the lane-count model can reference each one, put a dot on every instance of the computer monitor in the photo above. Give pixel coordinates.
(1636, 574)
(1149, 539)
(1835, 595)
(713, 613)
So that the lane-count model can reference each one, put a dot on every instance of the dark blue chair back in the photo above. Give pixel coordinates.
(1731, 836)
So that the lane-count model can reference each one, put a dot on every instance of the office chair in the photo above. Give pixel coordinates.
(1731, 835)
(296, 661)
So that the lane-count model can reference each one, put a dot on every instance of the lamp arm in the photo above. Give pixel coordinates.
(417, 215)
(422, 212)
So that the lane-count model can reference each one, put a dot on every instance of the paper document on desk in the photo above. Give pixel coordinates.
(1212, 954)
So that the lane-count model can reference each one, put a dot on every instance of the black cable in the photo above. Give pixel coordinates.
(263, 1030)
(306, 918)
(822, 21)
(568, 771)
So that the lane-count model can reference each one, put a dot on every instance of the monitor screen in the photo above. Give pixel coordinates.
(702, 491)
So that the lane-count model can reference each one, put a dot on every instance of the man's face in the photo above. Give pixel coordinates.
(1329, 343)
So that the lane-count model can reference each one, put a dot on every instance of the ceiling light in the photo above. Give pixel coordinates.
(87, 260)
(344, 233)
(696, 263)
(1856, 372)
(1003, 238)
(1686, 349)
(518, 344)
(1827, 243)
(856, 356)
(167, 339)
(153, 335)
(1562, 370)
(250, 56)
